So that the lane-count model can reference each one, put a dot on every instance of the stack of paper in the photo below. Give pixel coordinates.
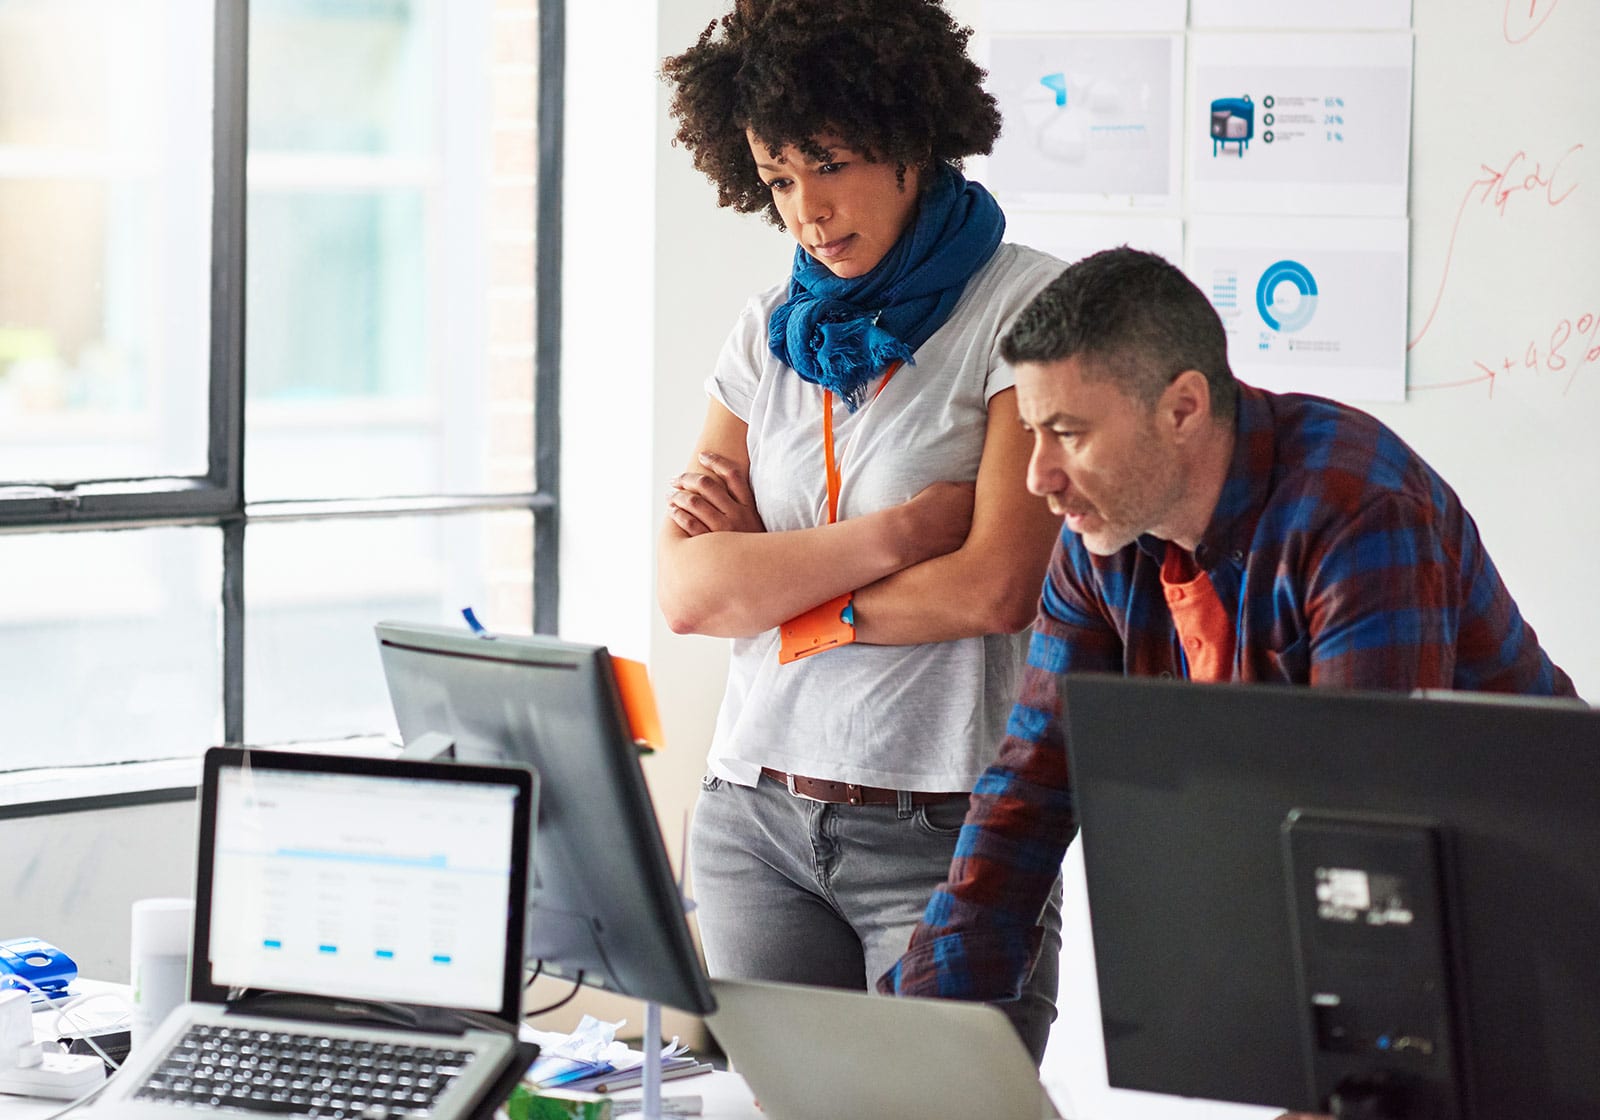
(629, 1077)
(590, 1060)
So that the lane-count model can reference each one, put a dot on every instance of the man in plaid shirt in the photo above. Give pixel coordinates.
(1212, 531)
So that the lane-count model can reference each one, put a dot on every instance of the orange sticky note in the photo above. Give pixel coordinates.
(638, 702)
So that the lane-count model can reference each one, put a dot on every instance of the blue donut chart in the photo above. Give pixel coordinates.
(1299, 275)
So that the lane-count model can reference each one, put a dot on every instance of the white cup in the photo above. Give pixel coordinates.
(159, 957)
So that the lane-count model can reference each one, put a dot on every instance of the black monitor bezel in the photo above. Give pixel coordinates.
(203, 989)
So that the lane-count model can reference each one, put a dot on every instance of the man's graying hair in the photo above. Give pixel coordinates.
(1137, 319)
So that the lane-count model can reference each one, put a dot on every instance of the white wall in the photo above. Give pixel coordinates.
(72, 878)
(608, 323)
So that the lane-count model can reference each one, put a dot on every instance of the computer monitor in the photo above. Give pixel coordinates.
(1297, 892)
(603, 902)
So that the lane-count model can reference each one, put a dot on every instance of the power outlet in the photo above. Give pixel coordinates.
(58, 1076)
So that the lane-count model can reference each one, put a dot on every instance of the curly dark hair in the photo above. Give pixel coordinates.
(889, 78)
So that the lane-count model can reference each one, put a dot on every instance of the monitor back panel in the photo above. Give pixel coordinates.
(1182, 790)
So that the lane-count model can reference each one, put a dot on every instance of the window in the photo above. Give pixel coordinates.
(219, 468)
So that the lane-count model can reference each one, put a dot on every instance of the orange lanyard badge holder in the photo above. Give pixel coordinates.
(832, 624)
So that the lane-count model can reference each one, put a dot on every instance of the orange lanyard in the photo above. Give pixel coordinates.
(828, 462)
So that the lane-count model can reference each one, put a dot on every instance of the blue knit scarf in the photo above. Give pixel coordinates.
(841, 334)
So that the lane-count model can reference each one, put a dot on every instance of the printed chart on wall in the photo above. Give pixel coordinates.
(1091, 122)
(1324, 127)
(1084, 15)
(1074, 236)
(1311, 305)
(1298, 14)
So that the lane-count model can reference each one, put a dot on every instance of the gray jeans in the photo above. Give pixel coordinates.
(804, 892)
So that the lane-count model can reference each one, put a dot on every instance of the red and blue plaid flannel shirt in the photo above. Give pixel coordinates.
(1346, 561)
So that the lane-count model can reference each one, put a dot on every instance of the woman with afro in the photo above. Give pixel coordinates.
(878, 633)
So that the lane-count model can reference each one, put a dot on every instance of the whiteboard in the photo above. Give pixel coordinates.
(1505, 277)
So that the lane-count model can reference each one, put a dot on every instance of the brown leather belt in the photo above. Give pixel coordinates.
(846, 793)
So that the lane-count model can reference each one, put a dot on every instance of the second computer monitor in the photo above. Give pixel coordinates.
(1294, 891)
(603, 902)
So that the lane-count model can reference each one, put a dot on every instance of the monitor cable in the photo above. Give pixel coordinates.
(562, 1002)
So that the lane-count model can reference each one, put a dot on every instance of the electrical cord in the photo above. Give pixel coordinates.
(62, 1012)
(562, 1002)
(87, 1032)
(538, 968)
(84, 1030)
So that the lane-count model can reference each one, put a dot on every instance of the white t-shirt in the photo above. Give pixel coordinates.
(920, 717)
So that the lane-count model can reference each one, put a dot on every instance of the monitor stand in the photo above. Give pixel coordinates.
(430, 746)
(650, 1096)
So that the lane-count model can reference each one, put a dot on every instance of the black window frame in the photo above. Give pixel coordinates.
(217, 498)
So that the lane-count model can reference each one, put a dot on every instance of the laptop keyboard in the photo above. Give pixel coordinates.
(302, 1074)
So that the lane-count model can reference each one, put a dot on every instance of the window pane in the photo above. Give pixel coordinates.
(105, 225)
(348, 268)
(314, 590)
(110, 646)
(390, 296)
(341, 75)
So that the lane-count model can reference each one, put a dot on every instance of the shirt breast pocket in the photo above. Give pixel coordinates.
(1290, 665)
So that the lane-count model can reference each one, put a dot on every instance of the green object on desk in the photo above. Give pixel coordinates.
(552, 1104)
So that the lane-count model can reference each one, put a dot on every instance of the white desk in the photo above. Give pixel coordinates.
(725, 1096)
(1073, 1072)
(26, 1108)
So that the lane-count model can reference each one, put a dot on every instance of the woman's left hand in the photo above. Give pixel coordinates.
(720, 501)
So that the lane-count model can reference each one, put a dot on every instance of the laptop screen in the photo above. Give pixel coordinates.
(376, 886)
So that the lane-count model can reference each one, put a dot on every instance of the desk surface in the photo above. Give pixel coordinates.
(725, 1096)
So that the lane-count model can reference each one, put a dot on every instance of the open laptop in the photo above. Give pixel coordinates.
(813, 1052)
(357, 945)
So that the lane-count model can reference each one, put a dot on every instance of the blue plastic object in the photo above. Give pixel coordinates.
(40, 963)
